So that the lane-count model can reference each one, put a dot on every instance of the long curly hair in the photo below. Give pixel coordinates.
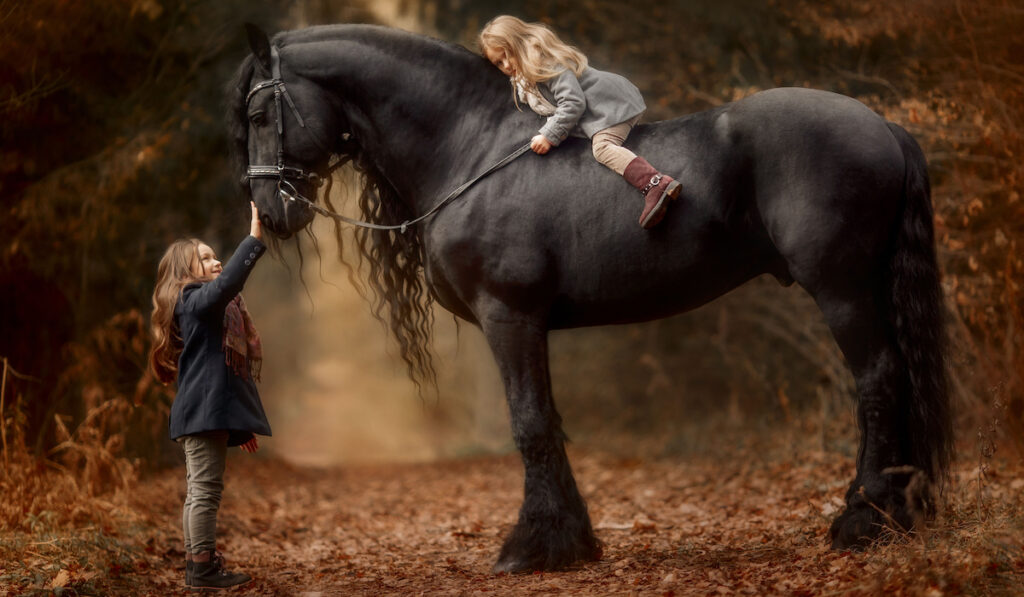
(538, 51)
(173, 274)
(399, 295)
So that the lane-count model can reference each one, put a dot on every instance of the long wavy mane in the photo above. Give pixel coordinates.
(398, 295)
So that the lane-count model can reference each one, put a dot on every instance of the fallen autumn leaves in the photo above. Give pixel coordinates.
(670, 527)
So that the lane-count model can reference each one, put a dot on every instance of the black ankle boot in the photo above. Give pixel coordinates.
(213, 575)
(188, 573)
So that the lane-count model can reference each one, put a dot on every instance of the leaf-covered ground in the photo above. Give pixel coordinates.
(670, 527)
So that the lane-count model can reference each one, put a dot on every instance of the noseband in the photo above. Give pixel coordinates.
(283, 173)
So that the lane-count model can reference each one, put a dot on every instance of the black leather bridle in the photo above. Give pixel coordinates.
(282, 172)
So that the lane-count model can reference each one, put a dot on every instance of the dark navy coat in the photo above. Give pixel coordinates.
(211, 396)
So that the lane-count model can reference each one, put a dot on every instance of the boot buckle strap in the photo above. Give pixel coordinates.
(655, 181)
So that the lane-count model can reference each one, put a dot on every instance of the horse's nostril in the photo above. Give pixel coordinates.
(266, 221)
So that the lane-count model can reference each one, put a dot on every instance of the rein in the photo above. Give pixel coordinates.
(404, 225)
(287, 191)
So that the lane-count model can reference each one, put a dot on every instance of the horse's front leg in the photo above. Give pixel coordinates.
(554, 528)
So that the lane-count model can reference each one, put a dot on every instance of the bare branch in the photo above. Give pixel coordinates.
(868, 79)
(39, 90)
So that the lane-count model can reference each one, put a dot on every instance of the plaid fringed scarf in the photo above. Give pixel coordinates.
(242, 349)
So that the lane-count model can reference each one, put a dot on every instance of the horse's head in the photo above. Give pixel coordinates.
(292, 128)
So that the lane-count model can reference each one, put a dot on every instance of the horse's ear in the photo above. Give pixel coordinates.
(260, 45)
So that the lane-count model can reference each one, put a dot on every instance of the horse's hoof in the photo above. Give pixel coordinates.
(855, 529)
(532, 548)
(860, 525)
(510, 566)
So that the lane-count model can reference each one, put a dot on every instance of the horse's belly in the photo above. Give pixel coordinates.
(625, 287)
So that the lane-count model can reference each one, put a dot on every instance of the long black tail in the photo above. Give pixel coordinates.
(918, 317)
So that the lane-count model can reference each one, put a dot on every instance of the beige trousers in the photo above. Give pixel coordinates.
(608, 147)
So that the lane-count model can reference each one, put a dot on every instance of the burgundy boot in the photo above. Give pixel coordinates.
(658, 190)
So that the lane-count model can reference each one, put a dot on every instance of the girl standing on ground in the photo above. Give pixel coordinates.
(554, 79)
(204, 339)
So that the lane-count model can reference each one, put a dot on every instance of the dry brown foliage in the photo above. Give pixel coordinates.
(55, 535)
(60, 507)
(755, 524)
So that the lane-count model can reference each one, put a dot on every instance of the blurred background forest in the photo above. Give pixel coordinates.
(113, 145)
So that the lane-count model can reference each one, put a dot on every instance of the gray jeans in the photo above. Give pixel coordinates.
(205, 455)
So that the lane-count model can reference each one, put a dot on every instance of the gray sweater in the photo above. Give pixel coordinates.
(587, 104)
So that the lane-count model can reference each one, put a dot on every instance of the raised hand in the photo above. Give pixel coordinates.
(255, 228)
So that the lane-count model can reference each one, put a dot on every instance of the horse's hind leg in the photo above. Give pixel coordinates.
(876, 499)
(554, 527)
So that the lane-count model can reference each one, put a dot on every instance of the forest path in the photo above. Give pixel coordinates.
(670, 527)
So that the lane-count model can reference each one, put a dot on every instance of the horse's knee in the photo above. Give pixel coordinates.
(537, 439)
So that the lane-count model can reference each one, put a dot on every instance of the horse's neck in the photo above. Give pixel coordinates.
(426, 124)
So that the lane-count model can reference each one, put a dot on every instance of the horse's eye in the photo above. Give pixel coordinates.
(258, 118)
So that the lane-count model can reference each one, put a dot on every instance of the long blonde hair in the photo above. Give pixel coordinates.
(173, 273)
(538, 51)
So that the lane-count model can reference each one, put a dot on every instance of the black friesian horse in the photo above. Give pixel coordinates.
(806, 185)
